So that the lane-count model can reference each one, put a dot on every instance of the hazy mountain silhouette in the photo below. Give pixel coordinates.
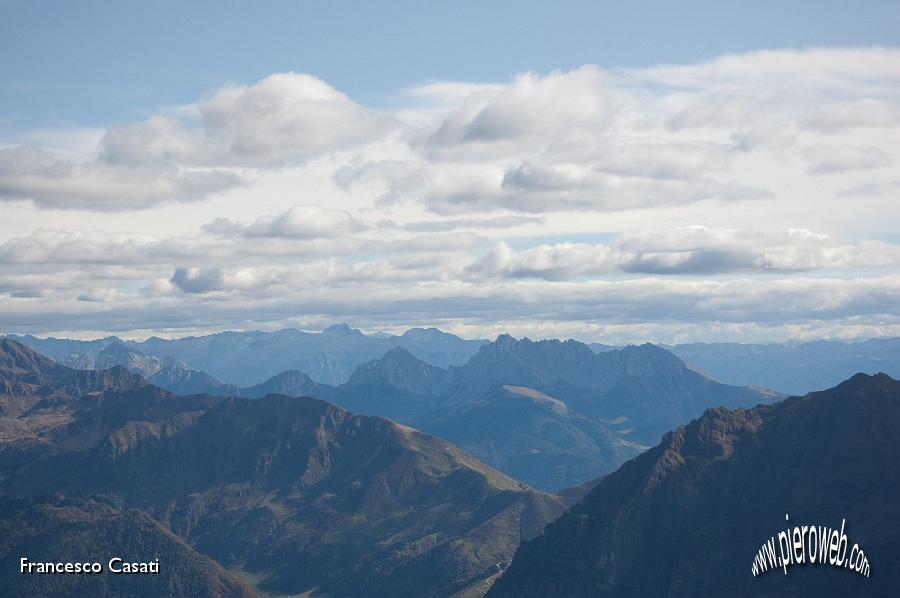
(688, 517)
(248, 358)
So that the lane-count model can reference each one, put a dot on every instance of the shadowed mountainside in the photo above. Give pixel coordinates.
(687, 517)
(78, 530)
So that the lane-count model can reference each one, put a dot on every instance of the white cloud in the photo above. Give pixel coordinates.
(157, 139)
(48, 180)
(869, 69)
(300, 222)
(841, 116)
(878, 189)
(695, 250)
(531, 110)
(283, 119)
(719, 191)
(828, 160)
(286, 118)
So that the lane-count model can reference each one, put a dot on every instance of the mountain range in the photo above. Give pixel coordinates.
(687, 517)
(552, 414)
(231, 360)
(289, 494)
(249, 358)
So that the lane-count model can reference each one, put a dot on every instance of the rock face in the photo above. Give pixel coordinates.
(52, 528)
(294, 493)
(687, 517)
(550, 413)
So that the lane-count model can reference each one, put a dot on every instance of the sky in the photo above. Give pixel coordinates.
(665, 172)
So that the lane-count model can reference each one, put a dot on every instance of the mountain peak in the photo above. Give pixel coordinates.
(862, 380)
(423, 334)
(292, 376)
(396, 362)
(506, 340)
(400, 369)
(399, 355)
(15, 356)
(341, 328)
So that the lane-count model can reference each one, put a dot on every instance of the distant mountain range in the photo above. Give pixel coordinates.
(552, 414)
(687, 517)
(248, 358)
(232, 360)
(292, 494)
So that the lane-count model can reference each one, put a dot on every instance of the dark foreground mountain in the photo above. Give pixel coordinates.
(51, 529)
(293, 494)
(793, 369)
(688, 517)
(550, 413)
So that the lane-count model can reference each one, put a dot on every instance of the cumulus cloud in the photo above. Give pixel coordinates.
(583, 139)
(284, 119)
(157, 139)
(531, 110)
(196, 280)
(48, 180)
(443, 197)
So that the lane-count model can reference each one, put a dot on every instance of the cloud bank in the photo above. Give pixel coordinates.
(749, 196)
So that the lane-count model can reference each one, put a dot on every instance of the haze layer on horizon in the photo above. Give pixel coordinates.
(596, 173)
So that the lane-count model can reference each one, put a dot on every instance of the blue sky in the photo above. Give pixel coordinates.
(91, 62)
(614, 172)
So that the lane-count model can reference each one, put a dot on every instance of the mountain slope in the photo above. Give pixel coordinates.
(295, 493)
(24, 371)
(687, 517)
(77, 530)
